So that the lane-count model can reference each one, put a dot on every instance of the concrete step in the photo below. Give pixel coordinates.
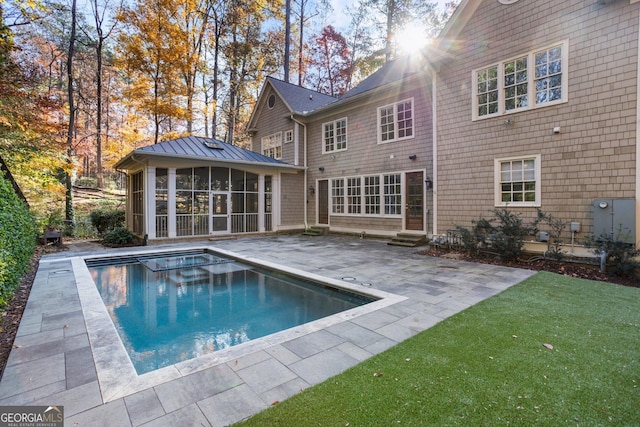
(316, 231)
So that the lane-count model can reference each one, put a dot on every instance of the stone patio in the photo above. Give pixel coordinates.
(66, 354)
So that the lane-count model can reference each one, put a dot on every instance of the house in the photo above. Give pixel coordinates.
(197, 186)
(519, 104)
(367, 153)
(537, 107)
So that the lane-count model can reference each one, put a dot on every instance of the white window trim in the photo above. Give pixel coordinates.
(531, 84)
(288, 136)
(272, 141)
(498, 188)
(335, 144)
(395, 118)
(345, 196)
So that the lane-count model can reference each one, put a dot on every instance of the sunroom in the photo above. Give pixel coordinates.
(195, 186)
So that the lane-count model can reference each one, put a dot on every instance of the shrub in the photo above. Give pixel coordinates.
(478, 237)
(510, 233)
(503, 235)
(118, 236)
(105, 220)
(17, 239)
(621, 257)
(557, 226)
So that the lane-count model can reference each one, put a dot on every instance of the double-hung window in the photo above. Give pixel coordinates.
(334, 136)
(354, 201)
(372, 195)
(395, 121)
(375, 195)
(392, 195)
(288, 136)
(337, 196)
(272, 145)
(531, 80)
(518, 181)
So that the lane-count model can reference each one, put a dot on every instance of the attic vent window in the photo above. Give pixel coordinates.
(214, 145)
(271, 101)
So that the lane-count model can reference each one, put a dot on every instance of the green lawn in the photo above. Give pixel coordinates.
(489, 366)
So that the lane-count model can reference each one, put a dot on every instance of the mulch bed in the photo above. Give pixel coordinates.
(573, 269)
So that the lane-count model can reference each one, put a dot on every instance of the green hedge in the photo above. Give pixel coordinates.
(105, 220)
(17, 240)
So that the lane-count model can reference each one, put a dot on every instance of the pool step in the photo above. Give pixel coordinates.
(408, 240)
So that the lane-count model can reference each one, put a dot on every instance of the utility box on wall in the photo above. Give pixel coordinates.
(615, 218)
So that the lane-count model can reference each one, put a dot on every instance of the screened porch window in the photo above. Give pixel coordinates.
(137, 197)
(192, 201)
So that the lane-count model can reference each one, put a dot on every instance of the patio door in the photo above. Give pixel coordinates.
(414, 208)
(220, 213)
(323, 202)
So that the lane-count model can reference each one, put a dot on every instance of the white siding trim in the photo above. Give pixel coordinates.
(150, 200)
(171, 201)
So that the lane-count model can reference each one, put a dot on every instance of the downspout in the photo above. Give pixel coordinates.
(304, 139)
(637, 236)
(434, 136)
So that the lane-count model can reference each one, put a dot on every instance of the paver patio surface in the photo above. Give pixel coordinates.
(61, 352)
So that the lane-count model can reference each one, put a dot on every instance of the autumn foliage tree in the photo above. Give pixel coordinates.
(147, 54)
(30, 132)
(330, 65)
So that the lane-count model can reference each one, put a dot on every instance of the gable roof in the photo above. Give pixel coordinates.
(390, 72)
(200, 148)
(305, 102)
(299, 99)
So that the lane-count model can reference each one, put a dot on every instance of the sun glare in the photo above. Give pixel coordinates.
(412, 38)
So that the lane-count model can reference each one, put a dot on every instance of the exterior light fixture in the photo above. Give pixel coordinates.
(413, 157)
(429, 183)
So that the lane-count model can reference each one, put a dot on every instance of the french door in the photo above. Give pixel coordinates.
(414, 208)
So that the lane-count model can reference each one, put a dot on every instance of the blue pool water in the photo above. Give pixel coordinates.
(174, 307)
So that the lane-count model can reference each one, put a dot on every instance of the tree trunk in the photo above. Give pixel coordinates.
(287, 40)
(69, 217)
(99, 171)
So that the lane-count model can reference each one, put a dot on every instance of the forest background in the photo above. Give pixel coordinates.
(84, 82)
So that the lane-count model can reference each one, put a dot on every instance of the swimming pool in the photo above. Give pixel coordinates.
(175, 306)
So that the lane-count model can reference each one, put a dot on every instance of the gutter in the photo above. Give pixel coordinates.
(208, 160)
(306, 169)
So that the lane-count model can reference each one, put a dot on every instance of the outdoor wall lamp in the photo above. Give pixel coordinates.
(312, 190)
(413, 157)
(429, 183)
(321, 168)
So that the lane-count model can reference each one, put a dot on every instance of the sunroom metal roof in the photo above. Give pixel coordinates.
(200, 148)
